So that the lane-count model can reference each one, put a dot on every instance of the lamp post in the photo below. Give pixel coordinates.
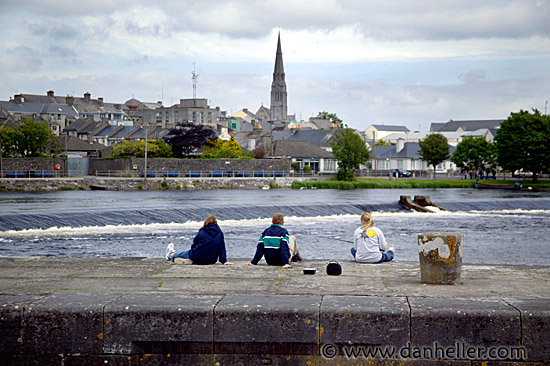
(145, 177)
(1, 171)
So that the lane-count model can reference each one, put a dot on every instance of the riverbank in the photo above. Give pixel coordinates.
(135, 184)
(408, 183)
(148, 311)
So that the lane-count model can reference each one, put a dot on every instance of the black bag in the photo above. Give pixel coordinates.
(334, 268)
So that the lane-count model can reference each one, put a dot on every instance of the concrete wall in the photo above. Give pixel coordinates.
(172, 328)
(181, 165)
(160, 165)
(129, 184)
(36, 164)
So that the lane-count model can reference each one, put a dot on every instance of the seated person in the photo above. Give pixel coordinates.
(276, 245)
(208, 246)
(369, 243)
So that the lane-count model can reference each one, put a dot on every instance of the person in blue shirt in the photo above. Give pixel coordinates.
(208, 246)
(278, 248)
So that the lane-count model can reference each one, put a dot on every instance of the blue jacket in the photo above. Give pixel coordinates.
(273, 244)
(208, 246)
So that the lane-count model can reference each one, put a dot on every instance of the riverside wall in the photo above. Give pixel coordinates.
(130, 184)
(146, 311)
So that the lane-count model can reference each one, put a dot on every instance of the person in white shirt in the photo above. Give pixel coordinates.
(369, 243)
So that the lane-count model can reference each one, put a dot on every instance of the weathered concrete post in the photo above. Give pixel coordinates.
(440, 257)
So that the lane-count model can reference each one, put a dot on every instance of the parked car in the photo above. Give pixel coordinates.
(522, 174)
(400, 173)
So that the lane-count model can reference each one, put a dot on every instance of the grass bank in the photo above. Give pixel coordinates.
(381, 183)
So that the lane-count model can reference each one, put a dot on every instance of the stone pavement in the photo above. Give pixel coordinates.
(148, 311)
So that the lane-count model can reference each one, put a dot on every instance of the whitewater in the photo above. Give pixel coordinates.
(500, 227)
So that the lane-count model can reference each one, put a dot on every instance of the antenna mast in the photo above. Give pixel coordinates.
(194, 77)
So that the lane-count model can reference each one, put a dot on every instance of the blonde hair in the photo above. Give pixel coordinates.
(210, 220)
(278, 219)
(366, 220)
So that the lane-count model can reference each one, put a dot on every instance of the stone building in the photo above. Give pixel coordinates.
(279, 107)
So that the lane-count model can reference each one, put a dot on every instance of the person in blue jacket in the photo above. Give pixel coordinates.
(208, 246)
(276, 245)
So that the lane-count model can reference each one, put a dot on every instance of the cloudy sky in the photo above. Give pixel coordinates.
(370, 62)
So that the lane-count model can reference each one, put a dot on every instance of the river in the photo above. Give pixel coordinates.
(499, 226)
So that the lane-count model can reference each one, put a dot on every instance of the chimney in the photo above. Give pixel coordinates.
(87, 96)
(400, 144)
(69, 99)
(50, 93)
(100, 101)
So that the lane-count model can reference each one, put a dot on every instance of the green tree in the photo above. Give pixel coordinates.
(523, 142)
(475, 153)
(188, 137)
(381, 142)
(27, 139)
(220, 149)
(350, 151)
(332, 117)
(434, 149)
(155, 149)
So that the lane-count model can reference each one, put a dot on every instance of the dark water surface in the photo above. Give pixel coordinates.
(499, 226)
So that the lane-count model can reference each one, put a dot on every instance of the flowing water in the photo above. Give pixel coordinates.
(499, 227)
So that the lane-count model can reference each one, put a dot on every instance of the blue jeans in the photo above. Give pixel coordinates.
(184, 255)
(386, 256)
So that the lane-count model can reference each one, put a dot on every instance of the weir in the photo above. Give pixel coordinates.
(116, 216)
(128, 311)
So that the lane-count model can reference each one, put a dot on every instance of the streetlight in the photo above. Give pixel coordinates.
(145, 177)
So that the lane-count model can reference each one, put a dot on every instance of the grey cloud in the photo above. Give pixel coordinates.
(134, 27)
(63, 31)
(71, 9)
(20, 59)
(56, 31)
(379, 19)
(138, 60)
(473, 76)
(62, 52)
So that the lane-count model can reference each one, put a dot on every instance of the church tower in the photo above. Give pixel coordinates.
(278, 87)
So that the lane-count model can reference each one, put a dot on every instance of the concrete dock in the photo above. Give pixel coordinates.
(136, 311)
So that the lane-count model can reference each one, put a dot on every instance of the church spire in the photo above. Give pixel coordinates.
(278, 87)
(279, 68)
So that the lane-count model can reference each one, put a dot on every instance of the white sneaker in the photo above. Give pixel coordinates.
(170, 251)
(391, 247)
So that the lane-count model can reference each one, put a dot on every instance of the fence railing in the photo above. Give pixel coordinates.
(202, 174)
(40, 173)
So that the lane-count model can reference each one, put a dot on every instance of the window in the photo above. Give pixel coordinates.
(400, 164)
(195, 117)
(330, 165)
(202, 117)
(383, 164)
(176, 116)
(417, 165)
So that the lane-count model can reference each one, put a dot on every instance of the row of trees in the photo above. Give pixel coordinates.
(522, 142)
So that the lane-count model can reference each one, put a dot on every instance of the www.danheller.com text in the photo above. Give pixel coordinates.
(458, 351)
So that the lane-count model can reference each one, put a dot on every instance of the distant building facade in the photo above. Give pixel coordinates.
(194, 110)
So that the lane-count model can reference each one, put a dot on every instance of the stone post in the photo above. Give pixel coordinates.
(440, 257)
